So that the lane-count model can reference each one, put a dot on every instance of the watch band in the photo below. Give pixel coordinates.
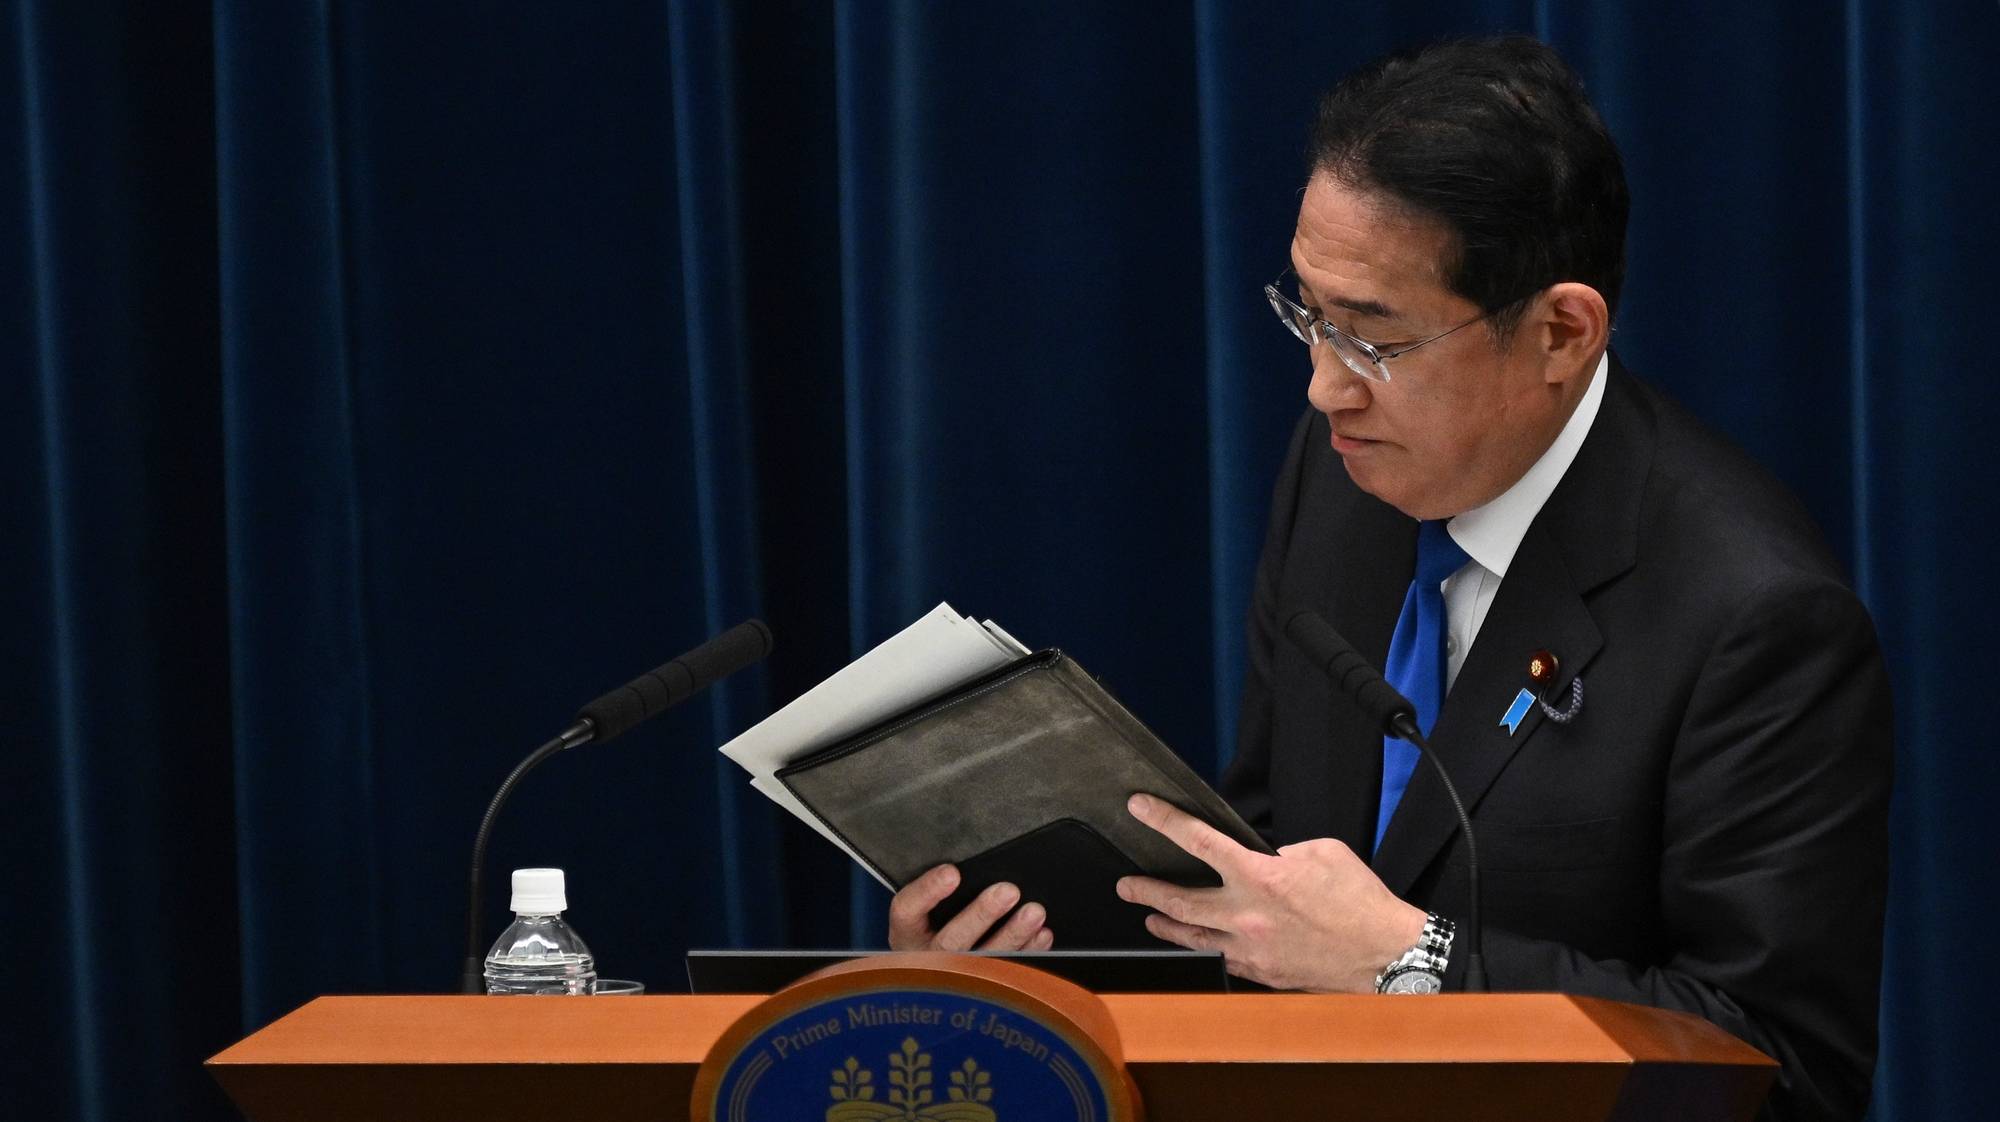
(1430, 956)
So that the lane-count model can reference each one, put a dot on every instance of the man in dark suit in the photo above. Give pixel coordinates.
(1664, 709)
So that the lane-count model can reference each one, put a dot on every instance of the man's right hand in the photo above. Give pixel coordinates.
(910, 918)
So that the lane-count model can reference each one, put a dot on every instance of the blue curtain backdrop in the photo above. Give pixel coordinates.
(384, 379)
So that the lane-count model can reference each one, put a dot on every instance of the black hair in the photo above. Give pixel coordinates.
(1495, 140)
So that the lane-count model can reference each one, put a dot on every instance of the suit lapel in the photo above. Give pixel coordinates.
(1585, 535)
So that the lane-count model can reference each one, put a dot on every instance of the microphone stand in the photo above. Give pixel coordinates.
(1404, 725)
(472, 977)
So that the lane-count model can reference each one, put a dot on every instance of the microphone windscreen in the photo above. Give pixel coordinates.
(734, 649)
(1378, 700)
(662, 688)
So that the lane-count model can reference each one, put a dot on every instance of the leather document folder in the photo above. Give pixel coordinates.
(1019, 775)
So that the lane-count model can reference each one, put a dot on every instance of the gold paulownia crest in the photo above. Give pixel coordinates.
(910, 1095)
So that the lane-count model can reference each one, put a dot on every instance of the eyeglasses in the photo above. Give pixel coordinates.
(1361, 356)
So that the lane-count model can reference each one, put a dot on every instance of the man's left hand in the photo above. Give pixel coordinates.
(1313, 917)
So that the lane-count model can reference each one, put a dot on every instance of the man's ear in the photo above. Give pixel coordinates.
(1571, 329)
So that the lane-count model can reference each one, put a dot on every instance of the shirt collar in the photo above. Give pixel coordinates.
(1491, 533)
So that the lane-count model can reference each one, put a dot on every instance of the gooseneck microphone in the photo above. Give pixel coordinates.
(1394, 714)
(648, 695)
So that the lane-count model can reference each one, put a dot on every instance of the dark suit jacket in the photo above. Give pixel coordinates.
(1709, 834)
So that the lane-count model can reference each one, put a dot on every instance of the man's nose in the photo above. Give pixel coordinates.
(1334, 386)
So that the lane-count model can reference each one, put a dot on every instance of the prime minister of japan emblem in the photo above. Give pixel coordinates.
(905, 1054)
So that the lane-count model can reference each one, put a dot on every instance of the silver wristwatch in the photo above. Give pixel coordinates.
(1421, 968)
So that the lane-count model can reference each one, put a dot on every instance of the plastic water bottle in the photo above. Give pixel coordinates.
(539, 953)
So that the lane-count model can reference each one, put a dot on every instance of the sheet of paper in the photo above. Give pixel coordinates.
(930, 656)
(1007, 642)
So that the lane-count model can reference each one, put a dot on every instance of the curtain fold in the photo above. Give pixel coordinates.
(304, 724)
(1924, 408)
(114, 718)
(718, 422)
(386, 382)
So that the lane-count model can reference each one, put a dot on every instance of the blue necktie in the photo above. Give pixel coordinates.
(1417, 660)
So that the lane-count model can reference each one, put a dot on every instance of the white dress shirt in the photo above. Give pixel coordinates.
(1491, 533)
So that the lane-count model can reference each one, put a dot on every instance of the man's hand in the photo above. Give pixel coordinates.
(1314, 917)
(910, 918)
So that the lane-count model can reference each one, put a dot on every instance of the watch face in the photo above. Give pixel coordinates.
(1414, 981)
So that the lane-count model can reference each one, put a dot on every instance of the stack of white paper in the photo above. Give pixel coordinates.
(932, 655)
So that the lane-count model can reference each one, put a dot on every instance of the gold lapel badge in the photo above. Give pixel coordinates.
(1542, 667)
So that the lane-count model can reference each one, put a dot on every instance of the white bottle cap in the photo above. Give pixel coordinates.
(538, 892)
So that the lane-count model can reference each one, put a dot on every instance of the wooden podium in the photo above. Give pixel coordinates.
(1192, 1056)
